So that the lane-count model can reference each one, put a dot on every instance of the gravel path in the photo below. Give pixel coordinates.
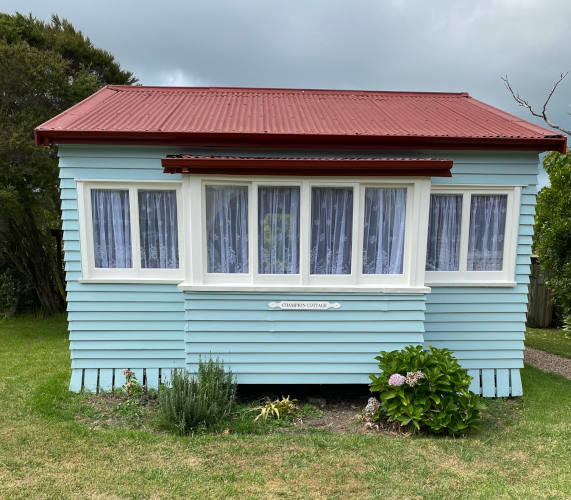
(548, 362)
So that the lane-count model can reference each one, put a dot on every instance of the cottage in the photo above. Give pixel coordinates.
(294, 233)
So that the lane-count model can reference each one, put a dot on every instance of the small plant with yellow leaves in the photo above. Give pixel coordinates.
(276, 409)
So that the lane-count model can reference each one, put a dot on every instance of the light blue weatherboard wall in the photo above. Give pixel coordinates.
(116, 325)
(485, 327)
(154, 328)
(262, 345)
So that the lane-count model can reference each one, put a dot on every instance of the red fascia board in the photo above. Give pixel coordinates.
(308, 166)
(46, 137)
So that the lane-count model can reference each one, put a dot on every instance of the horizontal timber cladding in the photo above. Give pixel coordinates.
(485, 327)
(261, 344)
(113, 326)
(152, 328)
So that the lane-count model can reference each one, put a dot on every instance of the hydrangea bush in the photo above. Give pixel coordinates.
(425, 390)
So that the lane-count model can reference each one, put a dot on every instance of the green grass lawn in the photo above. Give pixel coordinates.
(48, 449)
(551, 340)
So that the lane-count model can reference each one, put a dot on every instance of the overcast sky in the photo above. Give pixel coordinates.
(350, 44)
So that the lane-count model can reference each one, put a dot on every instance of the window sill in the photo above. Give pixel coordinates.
(187, 287)
(131, 280)
(473, 283)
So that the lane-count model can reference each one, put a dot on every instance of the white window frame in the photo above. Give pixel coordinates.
(93, 274)
(410, 281)
(463, 277)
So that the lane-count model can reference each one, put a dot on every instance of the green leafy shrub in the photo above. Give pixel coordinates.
(426, 390)
(197, 402)
(552, 241)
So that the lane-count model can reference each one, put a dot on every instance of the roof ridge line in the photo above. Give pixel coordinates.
(287, 89)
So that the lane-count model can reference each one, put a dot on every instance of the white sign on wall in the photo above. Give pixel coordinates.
(298, 305)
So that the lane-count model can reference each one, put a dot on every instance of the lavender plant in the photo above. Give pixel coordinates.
(199, 401)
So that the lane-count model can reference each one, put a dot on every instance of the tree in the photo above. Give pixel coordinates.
(44, 69)
(552, 241)
(524, 103)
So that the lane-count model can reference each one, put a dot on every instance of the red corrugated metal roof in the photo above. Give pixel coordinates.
(248, 116)
(309, 166)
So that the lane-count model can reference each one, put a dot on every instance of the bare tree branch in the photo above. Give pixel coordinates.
(525, 104)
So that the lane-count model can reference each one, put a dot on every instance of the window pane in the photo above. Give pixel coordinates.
(278, 230)
(158, 229)
(445, 219)
(111, 228)
(384, 225)
(331, 230)
(487, 228)
(227, 229)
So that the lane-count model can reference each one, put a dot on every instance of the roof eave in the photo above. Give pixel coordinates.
(46, 137)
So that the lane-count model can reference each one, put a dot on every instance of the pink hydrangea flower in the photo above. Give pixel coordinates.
(396, 379)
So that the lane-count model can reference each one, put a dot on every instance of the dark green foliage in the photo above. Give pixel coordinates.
(197, 402)
(552, 241)
(440, 402)
(44, 69)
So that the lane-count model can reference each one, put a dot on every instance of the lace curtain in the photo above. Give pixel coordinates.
(158, 229)
(487, 229)
(445, 218)
(331, 230)
(384, 227)
(278, 230)
(111, 228)
(227, 229)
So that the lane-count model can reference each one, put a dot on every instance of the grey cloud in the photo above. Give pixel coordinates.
(361, 44)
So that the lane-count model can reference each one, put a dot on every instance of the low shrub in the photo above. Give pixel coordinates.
(132, 386)
(425, 390)
(193, 402)
(284, 407)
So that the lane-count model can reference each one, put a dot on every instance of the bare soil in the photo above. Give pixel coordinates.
(339, 418)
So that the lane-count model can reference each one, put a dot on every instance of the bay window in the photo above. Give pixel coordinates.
(305, 234)
(472, 235)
